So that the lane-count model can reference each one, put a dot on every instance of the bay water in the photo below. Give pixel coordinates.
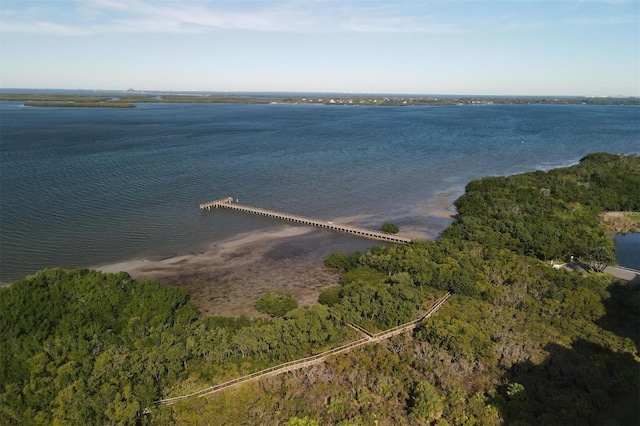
(628, 250)
(90, 186)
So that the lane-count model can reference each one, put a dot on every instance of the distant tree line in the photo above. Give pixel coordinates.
(371, 100)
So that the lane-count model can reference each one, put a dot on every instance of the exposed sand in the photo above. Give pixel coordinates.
(441, 206)
(228, 278)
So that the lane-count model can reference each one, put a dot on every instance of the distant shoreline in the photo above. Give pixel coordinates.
(130, 99)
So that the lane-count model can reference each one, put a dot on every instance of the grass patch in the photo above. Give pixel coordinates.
(634, 216)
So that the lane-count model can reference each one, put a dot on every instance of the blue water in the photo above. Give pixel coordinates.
(628, 250)
(82, 187)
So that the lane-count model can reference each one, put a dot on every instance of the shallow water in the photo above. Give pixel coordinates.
(82, 187)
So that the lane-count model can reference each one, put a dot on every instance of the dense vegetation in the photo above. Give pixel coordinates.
(549, 214)
(82, 347)
(519, 343)
(85, 347)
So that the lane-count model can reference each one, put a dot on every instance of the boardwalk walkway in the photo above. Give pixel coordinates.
(228, 203)
(315, 359)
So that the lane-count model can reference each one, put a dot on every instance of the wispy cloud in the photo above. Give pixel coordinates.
(41, 28)
(75, 18)
(394, 17)
(118, 16)
(604, 20)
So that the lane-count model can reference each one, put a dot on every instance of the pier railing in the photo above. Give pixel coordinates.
(228, 203)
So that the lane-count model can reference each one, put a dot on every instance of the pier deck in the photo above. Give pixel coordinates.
(228, 203)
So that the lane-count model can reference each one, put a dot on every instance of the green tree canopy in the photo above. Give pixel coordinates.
(276, 303)
(390, 228)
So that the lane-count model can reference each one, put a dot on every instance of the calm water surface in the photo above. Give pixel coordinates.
(628, 250)
(81, 187)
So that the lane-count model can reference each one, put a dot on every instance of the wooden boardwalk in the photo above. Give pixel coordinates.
(312, 360)
(228, 203)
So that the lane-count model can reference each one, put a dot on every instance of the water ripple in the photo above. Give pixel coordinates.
(85, 187)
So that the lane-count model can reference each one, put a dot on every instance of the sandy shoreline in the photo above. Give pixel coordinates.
(228, 277)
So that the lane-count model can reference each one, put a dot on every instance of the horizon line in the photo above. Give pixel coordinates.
(310, 92)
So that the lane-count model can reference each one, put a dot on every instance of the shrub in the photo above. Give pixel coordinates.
(330, 296)
(342, 261)
(427, 403)
(276, 303)
(390, 228)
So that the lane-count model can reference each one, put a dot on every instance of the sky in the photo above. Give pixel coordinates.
(457, 47)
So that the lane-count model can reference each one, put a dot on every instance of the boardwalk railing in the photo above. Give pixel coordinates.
(361, 330)
(314, 359)
(228, 203)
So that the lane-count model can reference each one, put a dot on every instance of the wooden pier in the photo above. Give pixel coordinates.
(228, 203)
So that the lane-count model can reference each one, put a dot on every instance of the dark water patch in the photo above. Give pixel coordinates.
(628, 250)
